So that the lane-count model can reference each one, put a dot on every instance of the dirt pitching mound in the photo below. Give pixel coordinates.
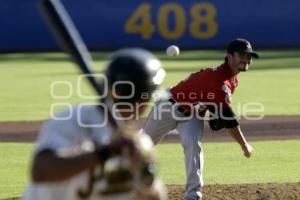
(286, 191)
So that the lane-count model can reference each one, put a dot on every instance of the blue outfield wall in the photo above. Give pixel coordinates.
(155, 24)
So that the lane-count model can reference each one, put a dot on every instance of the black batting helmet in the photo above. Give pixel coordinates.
(138, 67)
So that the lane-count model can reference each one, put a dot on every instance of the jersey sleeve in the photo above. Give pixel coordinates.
(57, 134)
(225, 95)
(222, 117)
(221, 113)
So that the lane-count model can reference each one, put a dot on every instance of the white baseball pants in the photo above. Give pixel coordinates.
(163, 118)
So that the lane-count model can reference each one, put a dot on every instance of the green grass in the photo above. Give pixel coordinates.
(26, 79)
(272, 162)
(13, 168)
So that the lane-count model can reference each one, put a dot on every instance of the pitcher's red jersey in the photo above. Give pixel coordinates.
(212, 85)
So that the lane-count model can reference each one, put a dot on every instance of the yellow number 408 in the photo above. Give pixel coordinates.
(202, 25)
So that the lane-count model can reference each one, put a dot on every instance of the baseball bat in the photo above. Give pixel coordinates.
(69, 38)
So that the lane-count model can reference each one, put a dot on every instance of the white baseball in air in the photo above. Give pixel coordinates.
(173, 51)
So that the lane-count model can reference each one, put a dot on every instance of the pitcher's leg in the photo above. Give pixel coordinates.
(191, 133)
(160, 120)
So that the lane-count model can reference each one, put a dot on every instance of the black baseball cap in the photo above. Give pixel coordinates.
(241, 45)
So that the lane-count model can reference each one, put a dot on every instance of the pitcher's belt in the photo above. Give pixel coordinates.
(180, 108)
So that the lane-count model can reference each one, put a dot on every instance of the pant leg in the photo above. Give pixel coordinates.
(160, 120)
(191, 132)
